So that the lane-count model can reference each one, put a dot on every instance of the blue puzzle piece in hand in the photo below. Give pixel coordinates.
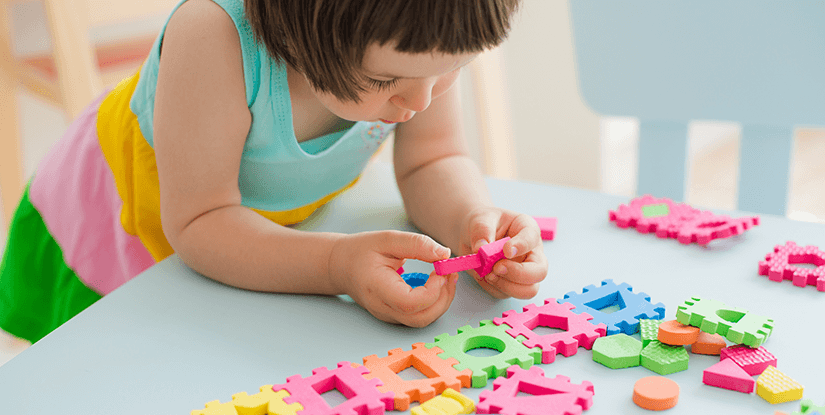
(415, 279)
(631, 306)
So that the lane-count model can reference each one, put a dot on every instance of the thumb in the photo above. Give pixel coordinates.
(483, 230)
(414, 246)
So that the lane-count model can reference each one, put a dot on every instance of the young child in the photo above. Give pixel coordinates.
(245, 118)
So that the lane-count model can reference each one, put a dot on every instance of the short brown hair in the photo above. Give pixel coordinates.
(326, 39)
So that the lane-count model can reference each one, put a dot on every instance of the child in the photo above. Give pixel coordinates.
(244, 119)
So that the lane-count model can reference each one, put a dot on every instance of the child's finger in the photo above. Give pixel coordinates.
(532, 270)
(483, 229)
(402, 298)
(413, 246)
(515, 290)
(524, 236)
(429, 314)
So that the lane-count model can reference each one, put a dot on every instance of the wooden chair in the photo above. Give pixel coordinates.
(72, 75)
(758, 63)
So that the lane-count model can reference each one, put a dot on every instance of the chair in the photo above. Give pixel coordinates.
(758, 63)
(72, 75)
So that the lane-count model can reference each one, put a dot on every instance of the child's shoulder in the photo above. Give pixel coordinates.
(201, 20)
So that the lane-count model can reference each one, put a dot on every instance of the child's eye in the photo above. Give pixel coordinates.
(382, 85)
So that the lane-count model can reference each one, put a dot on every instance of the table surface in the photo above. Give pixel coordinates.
(171, 340)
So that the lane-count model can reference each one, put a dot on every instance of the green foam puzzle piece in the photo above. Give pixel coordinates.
(490, 336)
(652, 211)
(617, 351)
(737, 325)
(664, 359)
(649, 330)
(808, 408)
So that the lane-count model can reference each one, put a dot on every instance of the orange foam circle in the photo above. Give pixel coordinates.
(675, 333)
(656, 393)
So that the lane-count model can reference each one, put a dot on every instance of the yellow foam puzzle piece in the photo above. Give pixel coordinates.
(265, 402)
(449, 402)
(777, 387)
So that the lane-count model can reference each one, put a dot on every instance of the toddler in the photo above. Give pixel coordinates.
(245, 118)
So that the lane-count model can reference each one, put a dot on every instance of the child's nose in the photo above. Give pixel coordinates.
(415, 98)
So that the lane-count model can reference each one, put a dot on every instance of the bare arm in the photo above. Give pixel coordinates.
(201, 123)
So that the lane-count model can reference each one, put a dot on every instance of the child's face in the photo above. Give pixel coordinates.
(399, 85)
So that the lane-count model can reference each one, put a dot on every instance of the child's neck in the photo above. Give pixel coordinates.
(310, 119)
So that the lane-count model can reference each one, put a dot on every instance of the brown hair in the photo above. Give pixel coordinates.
(326, 39)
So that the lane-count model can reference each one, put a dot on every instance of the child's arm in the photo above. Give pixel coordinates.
(201, 123)
(446, 197)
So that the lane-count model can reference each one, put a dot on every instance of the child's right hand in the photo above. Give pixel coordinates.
(364, 265)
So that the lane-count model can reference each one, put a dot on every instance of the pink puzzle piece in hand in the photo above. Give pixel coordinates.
(482, 262)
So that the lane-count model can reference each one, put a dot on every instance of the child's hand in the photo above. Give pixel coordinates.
(364, 265)
(524, 266)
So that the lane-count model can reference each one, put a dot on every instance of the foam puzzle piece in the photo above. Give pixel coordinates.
(440, 374)
(708, 344)
(777, 387)
(547, 226)
(363, 396)
(482, 261)
(664, 359)
(649, 330)
(728, 375)
(656, 393)
(807, 407)
(449, 402)
(737, 325)
(400, 271)
(487, 335)
(264, 402)
(633, 306)
(578, 329)
(617, 351)
(780, 265)
(549, 396)
(674, 333)
(753, 361)
(709, 226)
(415, 279)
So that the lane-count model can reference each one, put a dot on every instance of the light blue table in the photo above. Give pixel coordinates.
(171, 340)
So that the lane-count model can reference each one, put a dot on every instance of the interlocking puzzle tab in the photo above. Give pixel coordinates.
(363, 396)
(780, 265)
(490, 336)
(737, 325)
(482, 261)
(578, 331)
(632, 306)
(449, 402)
(440, 374)
(550, 396)
(264, 402)
(668, 219)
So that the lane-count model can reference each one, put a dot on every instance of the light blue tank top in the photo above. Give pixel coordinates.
(276, 173)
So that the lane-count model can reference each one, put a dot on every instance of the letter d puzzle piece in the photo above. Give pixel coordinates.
(779, 265)
(737, 325)
(482, 261)
(549, 396)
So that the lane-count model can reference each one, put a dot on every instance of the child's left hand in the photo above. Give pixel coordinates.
(524, 266)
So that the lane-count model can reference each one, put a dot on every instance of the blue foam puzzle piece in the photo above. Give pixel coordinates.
(632, 306)
(415, 279)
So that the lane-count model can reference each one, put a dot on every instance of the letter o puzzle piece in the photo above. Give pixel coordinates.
(779, 265)
(578, 329)
(549, 396)
(363, 397)
(737, 325)
(656, 393)
(633, 306)
(440, 374)
(490, 336)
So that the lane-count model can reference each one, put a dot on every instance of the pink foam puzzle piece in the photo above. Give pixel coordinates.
(578, 331)
(400, 271)
(550, 396)
(482, 261)
(780, 264)
(709, 226)
(547, 226)
(728, 375)
(363, 396)
(752, 361)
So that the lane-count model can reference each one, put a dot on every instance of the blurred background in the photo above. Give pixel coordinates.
(525, 118)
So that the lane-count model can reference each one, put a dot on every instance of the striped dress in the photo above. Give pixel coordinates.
(89, 219)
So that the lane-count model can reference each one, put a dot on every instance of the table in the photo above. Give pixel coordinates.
(171, 340)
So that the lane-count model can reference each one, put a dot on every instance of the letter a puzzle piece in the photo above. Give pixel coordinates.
(264, 402)
(633, 306)
(440, 374)
(728, 375)
(779, 265)
(482, 261)
(737, 325)
(550, 396)
(578, 331)
(363, 397)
